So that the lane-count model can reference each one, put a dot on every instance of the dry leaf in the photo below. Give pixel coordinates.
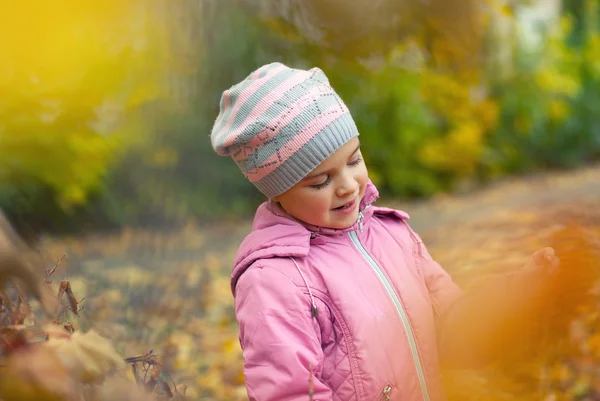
(89, 357)
(37, 374)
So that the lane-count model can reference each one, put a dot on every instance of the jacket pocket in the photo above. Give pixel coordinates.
(385, 394)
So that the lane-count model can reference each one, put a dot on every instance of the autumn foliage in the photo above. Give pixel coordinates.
(187, 317)
(46, 357)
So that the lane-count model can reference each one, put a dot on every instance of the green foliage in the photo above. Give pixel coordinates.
(172, 174)
(431, 104)
(394, 122)
(69, 79)
(548, 107)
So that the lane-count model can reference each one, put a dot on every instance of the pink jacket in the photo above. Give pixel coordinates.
(357, 306)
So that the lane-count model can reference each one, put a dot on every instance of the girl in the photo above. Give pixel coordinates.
(328, 286)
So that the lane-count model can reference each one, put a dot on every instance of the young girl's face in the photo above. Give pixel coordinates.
(330, 195)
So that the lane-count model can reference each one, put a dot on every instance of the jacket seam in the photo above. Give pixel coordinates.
(262, 266)
(354, 368)
(416, 249)
(316, 326)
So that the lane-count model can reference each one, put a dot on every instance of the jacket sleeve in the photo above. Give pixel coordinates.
(443, 292)
(279, 337)
(493, 321)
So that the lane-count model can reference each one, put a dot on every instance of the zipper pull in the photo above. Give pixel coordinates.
(314, 311)
(387, 391)
(360, 221)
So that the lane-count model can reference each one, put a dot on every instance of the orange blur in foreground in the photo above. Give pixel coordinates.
(543, 337)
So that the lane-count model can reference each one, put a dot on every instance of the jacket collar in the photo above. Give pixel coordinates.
(275, 234)
(365, 212)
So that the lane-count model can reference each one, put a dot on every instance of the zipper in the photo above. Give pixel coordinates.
(399, 308)
(385, 394)
(361, 216)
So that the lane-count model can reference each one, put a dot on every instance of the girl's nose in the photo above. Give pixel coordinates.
(347, 186)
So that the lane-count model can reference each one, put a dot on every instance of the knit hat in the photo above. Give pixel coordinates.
(280, 123)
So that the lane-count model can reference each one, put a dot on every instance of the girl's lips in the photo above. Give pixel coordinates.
(347, 208)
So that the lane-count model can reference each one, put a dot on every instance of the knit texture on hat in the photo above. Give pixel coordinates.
(280, 123)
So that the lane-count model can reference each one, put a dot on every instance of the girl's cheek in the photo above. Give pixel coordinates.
(317, 204)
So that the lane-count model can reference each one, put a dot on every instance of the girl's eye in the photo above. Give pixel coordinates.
(355, 161)
(322, 185)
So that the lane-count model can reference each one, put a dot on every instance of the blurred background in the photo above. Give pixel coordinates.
(107, 107)
(106, 110)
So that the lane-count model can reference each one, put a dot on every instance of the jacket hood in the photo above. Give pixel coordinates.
(275, 234)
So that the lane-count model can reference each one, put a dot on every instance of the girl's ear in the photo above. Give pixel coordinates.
(275, 199)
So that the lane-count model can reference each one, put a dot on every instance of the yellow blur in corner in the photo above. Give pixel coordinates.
(71, 77)
(56, 44)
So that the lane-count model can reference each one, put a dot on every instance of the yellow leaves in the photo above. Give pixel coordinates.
(507, 10)
(467, 136)
(565, 363)
(446, 95)
(205, 340)
(560, 373)
(554, 82)
(459, 151)
(130, 276)
(220, 290)
(230, 345)
(37, 374)
(124, 387)
(72, 195)
(457, 101)
(487, 113)
(454, 32)
(449, 53)
(593, 344)
(211, 381)
(58, 368)
(197, 339)
(213, 263)
(557, 110)
(58, 43)
(70, 75)
(503, 7)
(557, 71)
(222, 355)
(88, 357)
(184, 344)
(592, 54)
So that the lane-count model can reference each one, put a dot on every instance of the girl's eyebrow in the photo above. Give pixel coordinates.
(314, 175)
(325, 172)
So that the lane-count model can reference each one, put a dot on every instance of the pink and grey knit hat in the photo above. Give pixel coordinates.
(280, 123)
